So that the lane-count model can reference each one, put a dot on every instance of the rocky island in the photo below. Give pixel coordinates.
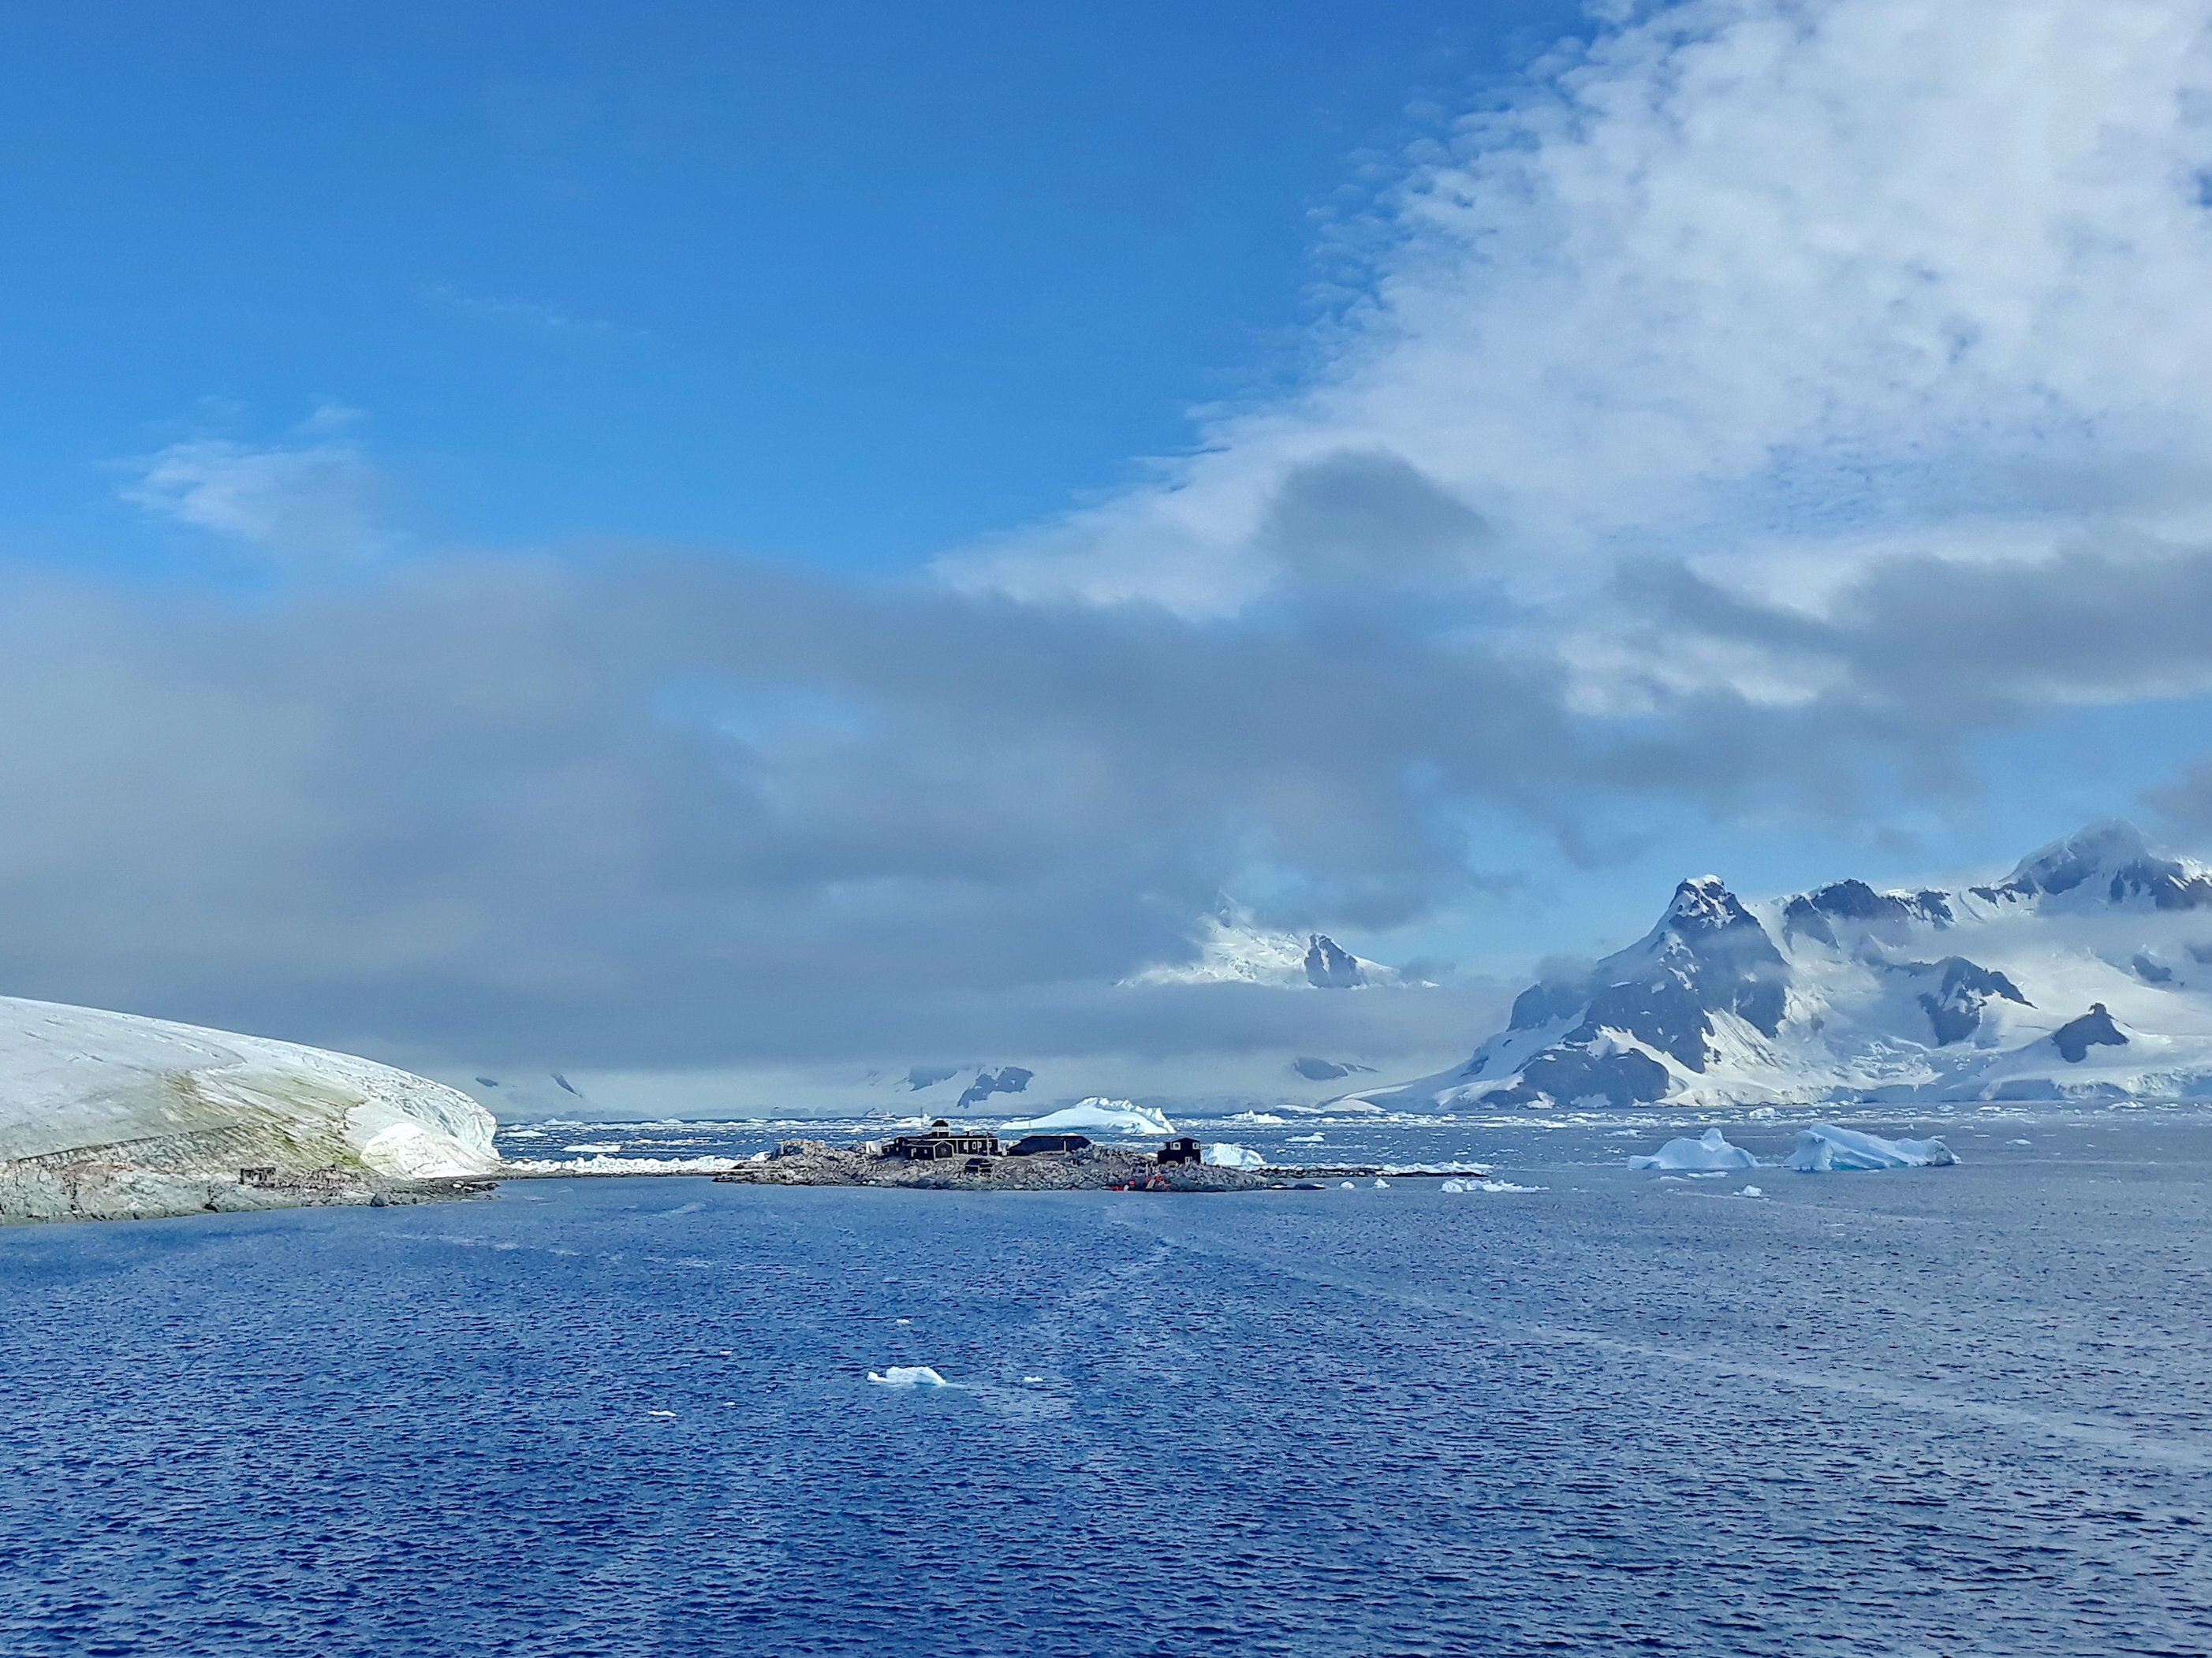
(948, 1159)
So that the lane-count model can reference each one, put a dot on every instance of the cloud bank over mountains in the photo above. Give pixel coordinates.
(1759, 399)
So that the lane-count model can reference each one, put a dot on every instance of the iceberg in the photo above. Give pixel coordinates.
(1709, 1151)
(908, 1376)
(1097, 1112)
(1824, 1148)
(1234, 1156)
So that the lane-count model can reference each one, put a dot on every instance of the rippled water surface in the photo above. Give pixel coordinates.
(1958, 1411)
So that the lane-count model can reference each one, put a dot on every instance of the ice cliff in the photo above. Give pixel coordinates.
(111, 1114)
(2084, 974)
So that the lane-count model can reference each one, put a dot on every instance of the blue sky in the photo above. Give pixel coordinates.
(846, 283)
(713, 537)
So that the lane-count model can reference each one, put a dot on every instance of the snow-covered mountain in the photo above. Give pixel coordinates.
(1234, 949)
(2086, 972)
(112, 1114)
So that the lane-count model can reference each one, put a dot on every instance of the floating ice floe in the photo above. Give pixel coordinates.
(908, 1376)
(1824, 1148)
(1381, 1185)
(1256, 1116)
(1710, 1151)
(1348, 1186)
(1098, 1113)
(1751, 1192)
(1453, 1185)
(1225, 1156)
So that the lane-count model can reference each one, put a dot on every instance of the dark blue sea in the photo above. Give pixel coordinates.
(1932, 1411)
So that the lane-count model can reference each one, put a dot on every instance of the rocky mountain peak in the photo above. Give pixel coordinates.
(2110, 862)
(1704, 903)
(1329, 967)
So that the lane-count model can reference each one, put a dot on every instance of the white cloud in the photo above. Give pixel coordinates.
(314, 505)
(1759, 280)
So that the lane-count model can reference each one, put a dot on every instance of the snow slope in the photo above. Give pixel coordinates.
(2085, 974)
(110, 1113)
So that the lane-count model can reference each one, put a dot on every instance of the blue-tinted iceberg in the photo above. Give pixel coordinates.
(1709, 1151)
(908, 1376)
(1824, 1148)
(1225, 1156)
(1098, 1113)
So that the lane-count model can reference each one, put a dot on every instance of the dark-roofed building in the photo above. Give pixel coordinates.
(943, 1141)
(1029, 1145)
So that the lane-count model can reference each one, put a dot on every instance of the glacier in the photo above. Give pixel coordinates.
(2084, 974)
(113, 1115)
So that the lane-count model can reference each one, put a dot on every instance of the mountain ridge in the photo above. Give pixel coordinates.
(2086, 972)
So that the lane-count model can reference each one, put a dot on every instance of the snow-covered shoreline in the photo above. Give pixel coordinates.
(113, 1115)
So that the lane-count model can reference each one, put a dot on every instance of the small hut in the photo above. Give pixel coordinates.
(1185, 1150)
(942, 1141)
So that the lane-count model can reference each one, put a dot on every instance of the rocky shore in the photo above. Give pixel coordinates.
(81, 1185)
(1093, 1167)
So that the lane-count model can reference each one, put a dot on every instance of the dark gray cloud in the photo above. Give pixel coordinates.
(659, 811)
(1369, 520)
(1958, 642)
(674, 811)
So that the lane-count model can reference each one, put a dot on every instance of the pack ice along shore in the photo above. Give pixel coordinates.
(112, 1116)
(2085, 974)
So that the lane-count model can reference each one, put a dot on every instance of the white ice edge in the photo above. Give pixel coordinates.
(1822, 1148)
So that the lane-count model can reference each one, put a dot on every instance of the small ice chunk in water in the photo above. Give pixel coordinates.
(1709, 1151)
(2019, 1142)
(1349, 1186)
(1225, 1156)
(1751, 1192)
(1381, 1185)
(908, 1376)
(1824, 1148)
(1453, 1185)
